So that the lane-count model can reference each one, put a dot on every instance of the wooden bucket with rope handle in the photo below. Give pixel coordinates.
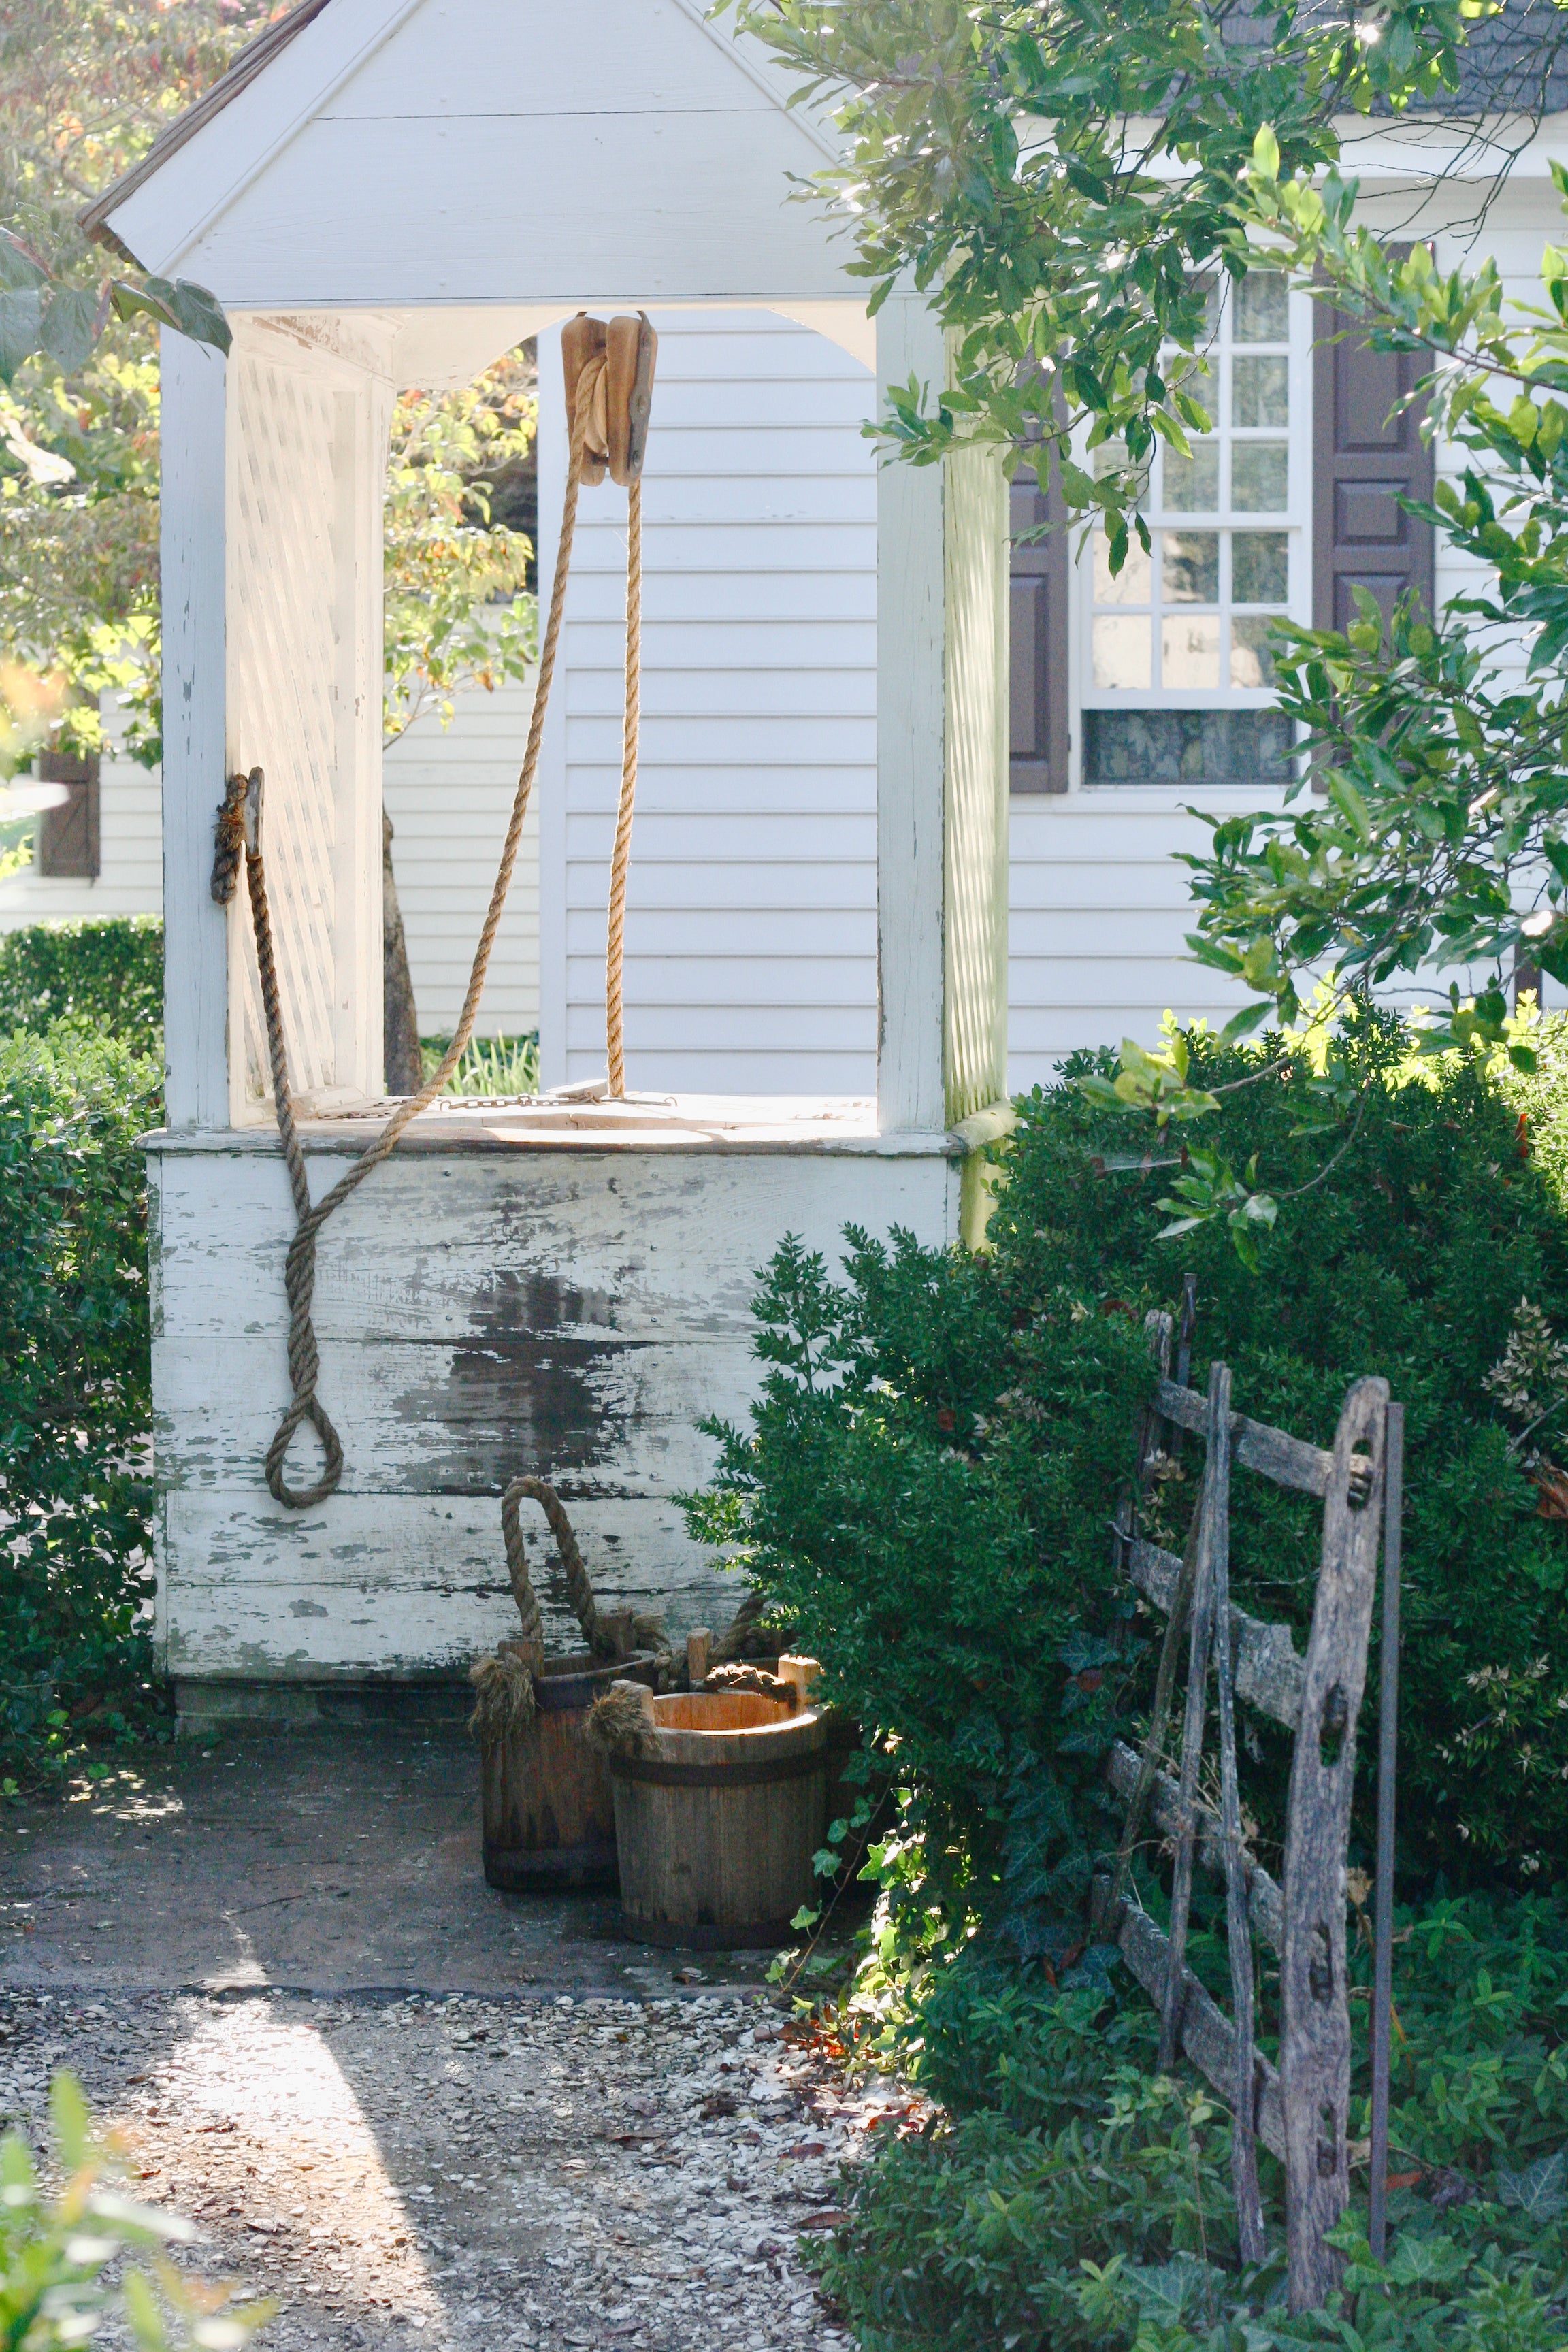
(548, 1811)
(720, 1803)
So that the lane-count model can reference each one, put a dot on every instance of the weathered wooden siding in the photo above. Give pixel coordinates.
(572, 1311)
(750, 928)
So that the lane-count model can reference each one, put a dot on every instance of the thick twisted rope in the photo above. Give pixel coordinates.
(299, 1267)
(615, 1052)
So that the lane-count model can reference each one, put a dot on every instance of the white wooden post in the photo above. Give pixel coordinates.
(363, 425)
(941, 762)
(306, 473)
(195, 957)
(909, 747)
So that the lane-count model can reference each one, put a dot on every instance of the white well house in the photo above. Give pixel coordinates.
(395, 192)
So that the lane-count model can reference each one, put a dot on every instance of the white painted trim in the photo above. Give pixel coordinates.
(192, 553)
(911, 740)
(751, 57)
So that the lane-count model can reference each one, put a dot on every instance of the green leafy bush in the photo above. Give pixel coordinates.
(928, 1480)
(55, 2254)
(109, 972)
(1065, 2197)
(76, 1656)
(924, 1494)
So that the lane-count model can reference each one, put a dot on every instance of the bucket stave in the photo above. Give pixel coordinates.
(548, 1811)
(718, 1813)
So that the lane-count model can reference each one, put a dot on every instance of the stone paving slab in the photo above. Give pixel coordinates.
(323, 1859)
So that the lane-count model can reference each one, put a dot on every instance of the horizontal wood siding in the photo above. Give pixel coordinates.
(448, 791)
(750, 933)
(130, 880)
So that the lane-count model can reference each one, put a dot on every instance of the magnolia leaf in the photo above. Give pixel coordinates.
(1250, 1017)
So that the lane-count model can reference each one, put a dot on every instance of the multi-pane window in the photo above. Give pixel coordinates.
(1184, 627)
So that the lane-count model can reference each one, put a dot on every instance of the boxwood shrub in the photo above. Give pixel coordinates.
(928, 1480)
(107, 971)
(76, 1653)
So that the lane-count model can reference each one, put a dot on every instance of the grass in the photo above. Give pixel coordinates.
(489, 1066)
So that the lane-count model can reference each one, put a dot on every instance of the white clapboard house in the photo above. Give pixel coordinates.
(903, 836)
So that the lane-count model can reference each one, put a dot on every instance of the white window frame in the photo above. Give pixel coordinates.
(1214, 392)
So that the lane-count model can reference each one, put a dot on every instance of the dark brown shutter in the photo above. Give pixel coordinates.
(67, 835)
(1363, 460)
(1038, 626)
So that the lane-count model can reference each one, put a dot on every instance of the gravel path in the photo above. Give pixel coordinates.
(461, 2171)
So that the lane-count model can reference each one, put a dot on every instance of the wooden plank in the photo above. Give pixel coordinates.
(1213, 1520)
(1238, 1933)
(1272, 1452)
(637, 1246)
(1266, 1908)
(1209, 2037)
(1268, 1670)
(680, 204)
(1315, 2034)
(602, 1416)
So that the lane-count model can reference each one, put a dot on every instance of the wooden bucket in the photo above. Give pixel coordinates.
(548, 1815)
(717, 1826)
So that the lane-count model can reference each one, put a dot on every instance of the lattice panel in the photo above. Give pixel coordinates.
(975, 833)
(284, 631)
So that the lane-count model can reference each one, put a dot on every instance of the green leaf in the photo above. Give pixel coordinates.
(21, 316)
(1266, 154)
(70, 326)
(196, 312)
(1541, 2192)
(68, 2115)
(17, 268)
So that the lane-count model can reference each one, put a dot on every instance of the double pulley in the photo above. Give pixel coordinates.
(617, 393)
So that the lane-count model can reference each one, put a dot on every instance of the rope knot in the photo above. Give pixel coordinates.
(228, 839)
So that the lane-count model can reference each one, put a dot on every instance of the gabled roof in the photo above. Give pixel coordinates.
(390, 154)
(254, 59)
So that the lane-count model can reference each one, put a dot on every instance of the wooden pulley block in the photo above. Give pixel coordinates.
(616, 432)
(631, 347)
(583, 338)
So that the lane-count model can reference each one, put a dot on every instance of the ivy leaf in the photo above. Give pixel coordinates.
(1541, 2192)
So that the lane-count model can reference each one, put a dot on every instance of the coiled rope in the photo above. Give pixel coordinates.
(238, 833)
(504, 1682)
